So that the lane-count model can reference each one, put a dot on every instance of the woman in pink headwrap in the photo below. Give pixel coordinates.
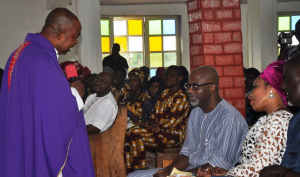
(265, 142)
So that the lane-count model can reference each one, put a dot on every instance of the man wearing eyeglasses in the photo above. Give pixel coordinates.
(215, 128)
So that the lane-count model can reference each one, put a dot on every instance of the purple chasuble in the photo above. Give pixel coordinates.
(41, 129)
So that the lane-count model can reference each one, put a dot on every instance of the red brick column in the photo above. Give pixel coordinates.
(216, 40)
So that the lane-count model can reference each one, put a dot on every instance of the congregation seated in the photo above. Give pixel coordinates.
(120, 89)
(101, 108)
(215, 128)
(136, 102)
(265, 143)
(290, 164)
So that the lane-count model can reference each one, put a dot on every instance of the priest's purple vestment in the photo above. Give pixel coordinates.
(41, 130)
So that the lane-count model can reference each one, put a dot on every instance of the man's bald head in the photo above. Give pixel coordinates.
(60, 19)
(207, 73)
(203, 88)
(62, 28)
(294, 64)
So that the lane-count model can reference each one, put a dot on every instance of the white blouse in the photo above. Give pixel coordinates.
(264, 145)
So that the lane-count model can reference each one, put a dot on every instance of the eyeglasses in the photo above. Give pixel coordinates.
(194, 86)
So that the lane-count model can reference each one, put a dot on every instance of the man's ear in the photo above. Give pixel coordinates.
(110, 87)
(60, 34)
(212, 89)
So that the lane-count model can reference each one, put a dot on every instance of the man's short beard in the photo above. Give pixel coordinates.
(195, 103)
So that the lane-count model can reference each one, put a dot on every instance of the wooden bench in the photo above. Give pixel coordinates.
(107, 148)
(164, 156)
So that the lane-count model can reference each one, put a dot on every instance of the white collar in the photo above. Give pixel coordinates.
(56, 53)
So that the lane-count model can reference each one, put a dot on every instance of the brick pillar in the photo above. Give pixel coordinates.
(216, 40)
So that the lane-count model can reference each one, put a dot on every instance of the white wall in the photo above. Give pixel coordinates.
(157, 9)
(17, 18)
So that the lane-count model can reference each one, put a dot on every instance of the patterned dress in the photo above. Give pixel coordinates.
(121, 95)
(171, 113)
(264, 144)
(132, 159)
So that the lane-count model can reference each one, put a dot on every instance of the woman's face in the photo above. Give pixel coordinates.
(134, 82)
(260, 95)
(153, 88)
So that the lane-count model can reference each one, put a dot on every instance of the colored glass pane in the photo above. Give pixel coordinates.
(294, 21)
(135, 43)
(105, 55)
(120, 28)
(104, 27)
(169, 59)
(169, 43)
(122, 41)
(152, 72)
(135, 60)
(154, 27)
(155, 59)
(105, 44)
(284, 23)
(169, 26)
(135, 27)
(155, 44)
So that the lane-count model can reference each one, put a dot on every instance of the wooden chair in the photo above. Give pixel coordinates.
(107, 148)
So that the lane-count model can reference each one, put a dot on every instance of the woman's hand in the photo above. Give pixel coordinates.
(154, 126)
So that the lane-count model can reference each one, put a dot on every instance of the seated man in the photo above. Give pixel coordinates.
(215, 129)
(120, 89)
(290, 164)
(101, 108)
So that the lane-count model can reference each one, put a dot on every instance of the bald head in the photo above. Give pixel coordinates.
(62, 28)
(60, 19)
(207, 73)
(108, 76)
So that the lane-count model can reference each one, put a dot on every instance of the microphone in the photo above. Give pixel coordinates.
(71, 73)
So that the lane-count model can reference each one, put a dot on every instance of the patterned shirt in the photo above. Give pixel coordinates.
(171, 111)
(215, 137)
(136, 108)
(121, 95)
(264, 144)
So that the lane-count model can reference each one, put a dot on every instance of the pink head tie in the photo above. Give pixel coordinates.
(273, 75)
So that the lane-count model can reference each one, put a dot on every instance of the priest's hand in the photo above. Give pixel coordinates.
(78, 86)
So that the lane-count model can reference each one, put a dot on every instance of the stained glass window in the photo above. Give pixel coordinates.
(154, 27)
(135, 27)
(284, 23)
(155, 59)
(104, 27)
(169, 26)
(155, 44)
(170, 59)
(144, 41)
(105, 44)
(294, 21)
(135, 43)
(120, 28)
(169, 43)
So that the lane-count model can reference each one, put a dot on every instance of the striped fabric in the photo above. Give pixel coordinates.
(215, 137)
